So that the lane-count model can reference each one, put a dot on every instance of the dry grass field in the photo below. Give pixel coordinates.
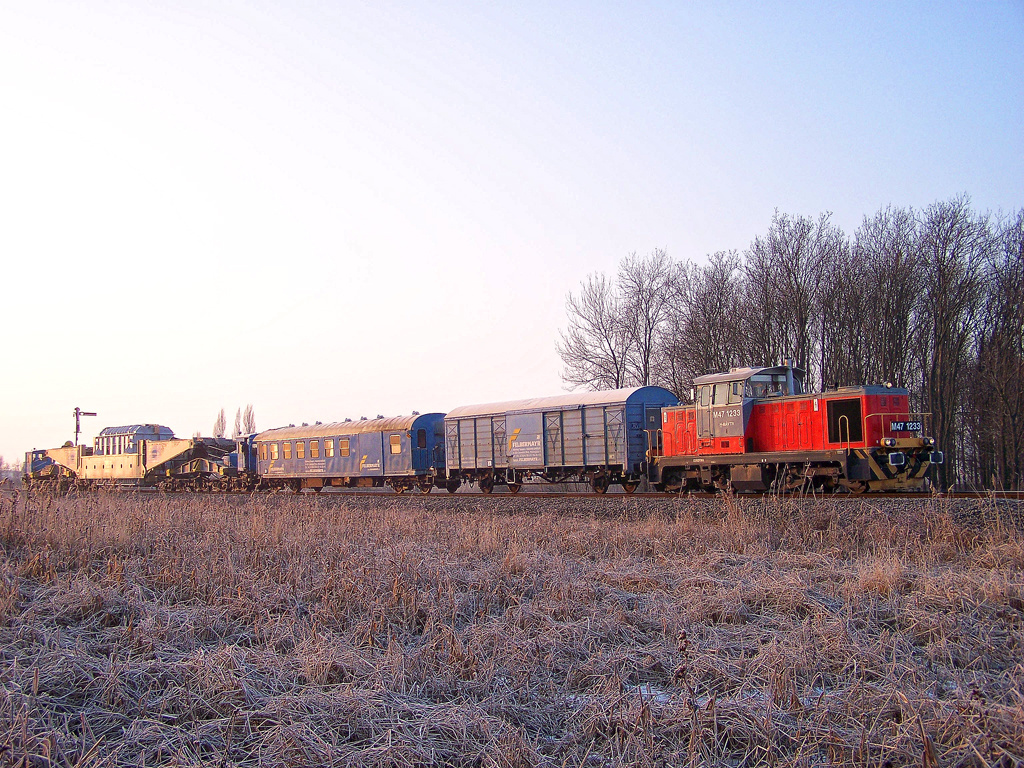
(286, 631)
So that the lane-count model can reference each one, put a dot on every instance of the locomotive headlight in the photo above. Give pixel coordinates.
(929, 441)
(888, 442)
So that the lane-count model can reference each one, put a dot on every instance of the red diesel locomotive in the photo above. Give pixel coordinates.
(755, 429)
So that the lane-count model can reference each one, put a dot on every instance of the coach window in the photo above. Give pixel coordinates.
(343, 447)
(328, 448)
(314, 449)
(273, 451)
(300, 449)
(287, 449)
(396, 443)
(263, 451)
(421, 438)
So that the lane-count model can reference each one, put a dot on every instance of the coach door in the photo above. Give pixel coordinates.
(500, 456)
(554, 450)
(615, 430)
(451, 432)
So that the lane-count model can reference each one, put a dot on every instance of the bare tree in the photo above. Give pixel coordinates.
(220, 425)
(595, 347)
(645, 289)
(996, 399)
(236, 430)
(702, 333)
(248, 420)
(954, 245)
(887, 250)
(843, 333)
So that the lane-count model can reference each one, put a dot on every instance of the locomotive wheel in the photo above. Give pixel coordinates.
(514, 488)
(486, 484)
(600, 484)
(451, 486)
(630, 487)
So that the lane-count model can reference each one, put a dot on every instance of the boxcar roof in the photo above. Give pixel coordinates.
(391, 424)
(559, 402)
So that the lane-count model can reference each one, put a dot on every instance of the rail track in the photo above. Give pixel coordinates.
(568, 494)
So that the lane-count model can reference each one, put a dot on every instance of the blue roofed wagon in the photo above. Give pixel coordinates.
(596, 437)
(403, 452)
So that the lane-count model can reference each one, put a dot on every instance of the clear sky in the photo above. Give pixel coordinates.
(335, 209)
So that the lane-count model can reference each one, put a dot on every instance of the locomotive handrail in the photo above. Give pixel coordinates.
(655, 448)
(843, 418)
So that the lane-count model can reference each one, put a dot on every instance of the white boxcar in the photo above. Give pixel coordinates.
(598, 437)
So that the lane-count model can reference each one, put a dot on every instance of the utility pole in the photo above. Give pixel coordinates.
(79, 413)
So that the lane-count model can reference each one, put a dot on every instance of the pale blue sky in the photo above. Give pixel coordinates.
(338, 209)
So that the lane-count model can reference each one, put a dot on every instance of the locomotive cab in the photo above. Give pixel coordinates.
(723, 403)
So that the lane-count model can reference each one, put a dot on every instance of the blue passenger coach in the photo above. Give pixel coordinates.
(403, 452)
(597, 437)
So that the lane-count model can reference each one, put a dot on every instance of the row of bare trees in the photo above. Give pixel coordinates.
(245, 423)
(931, 300)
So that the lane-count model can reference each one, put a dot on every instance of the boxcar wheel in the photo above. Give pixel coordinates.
(514, 488)
(399, 489)
(426, 487)
(451, 486)
(630, 487)
(600, 484)
(486, 484)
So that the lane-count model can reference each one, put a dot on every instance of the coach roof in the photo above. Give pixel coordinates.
(391, 424)
(563, 402)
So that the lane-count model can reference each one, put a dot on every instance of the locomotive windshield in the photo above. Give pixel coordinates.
(771, 384)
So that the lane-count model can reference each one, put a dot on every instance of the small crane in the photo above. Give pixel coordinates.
(79, 413)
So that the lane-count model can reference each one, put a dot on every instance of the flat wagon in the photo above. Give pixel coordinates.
(136, 455)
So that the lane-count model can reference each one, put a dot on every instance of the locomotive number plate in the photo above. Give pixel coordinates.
(905, 426)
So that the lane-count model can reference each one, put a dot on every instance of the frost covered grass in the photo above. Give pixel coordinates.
(332, 630)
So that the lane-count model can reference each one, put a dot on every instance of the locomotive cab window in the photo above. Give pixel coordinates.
(736, 393)
(722, 393)
(396, 444)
